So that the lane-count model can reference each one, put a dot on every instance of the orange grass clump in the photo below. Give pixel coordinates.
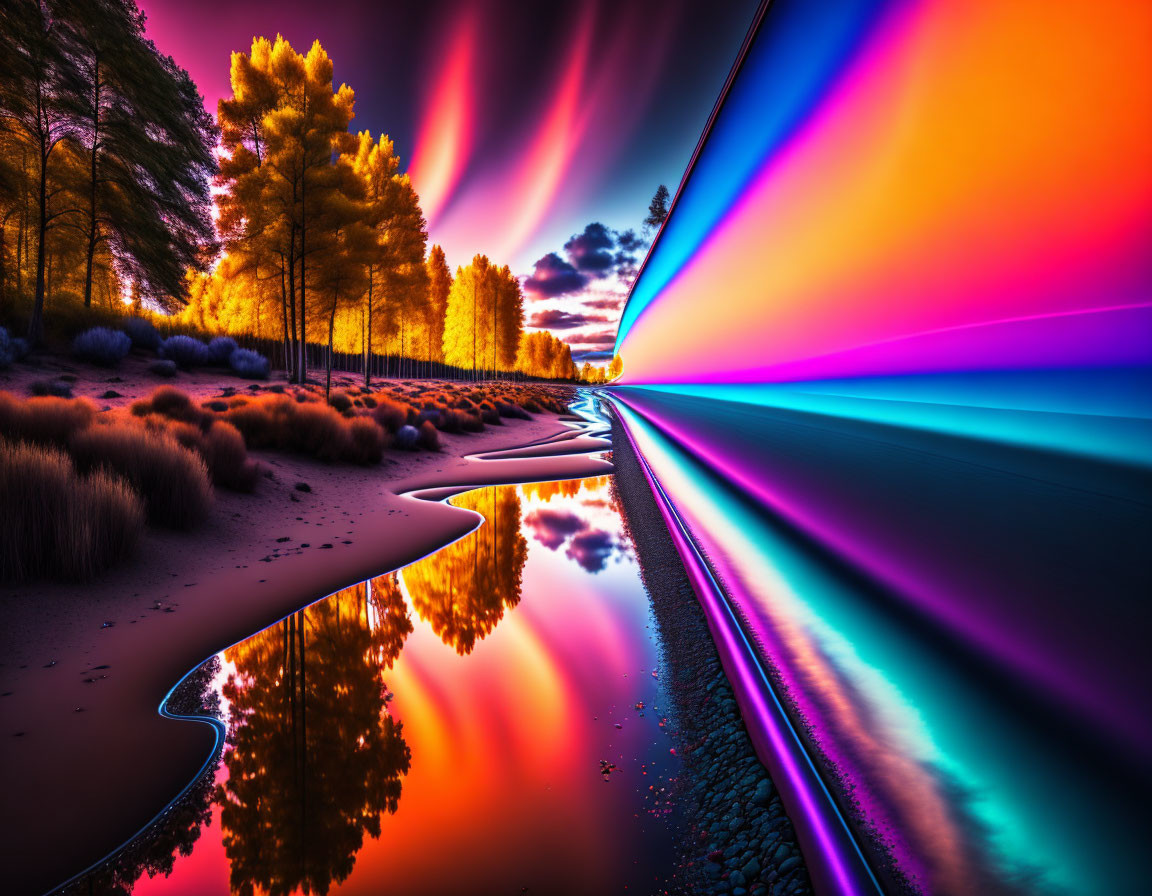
(59, 522)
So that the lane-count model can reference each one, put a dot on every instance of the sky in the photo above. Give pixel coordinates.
(535, 133)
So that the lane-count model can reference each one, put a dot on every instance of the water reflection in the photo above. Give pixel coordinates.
(585, 542)
(314, 757)
(516, 664)
(463, 589)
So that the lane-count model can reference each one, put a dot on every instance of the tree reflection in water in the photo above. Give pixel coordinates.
(315, 758)
(462, 590)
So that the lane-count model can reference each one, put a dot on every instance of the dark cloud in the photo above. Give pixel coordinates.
(610, 304)
(591, 251)
(554, 276)
(553, 527)
(604, 339)
(596, 253)
(555, 319)
(631, 243)
(593, 357)
(591, 549)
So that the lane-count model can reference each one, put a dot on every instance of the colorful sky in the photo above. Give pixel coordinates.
(523, 125)
(897, 188)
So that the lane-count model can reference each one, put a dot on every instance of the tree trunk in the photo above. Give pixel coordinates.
(36, 321)
(368, 337)
(331, 328)
(284, 315)
(92, 235)
(302, 369)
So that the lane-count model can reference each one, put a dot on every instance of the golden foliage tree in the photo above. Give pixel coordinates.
(484, 318)
(281, 130)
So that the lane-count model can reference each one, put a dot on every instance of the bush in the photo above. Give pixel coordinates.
(141, 332)
(368, 441)
(220, 350)
(390, 414)
(320, 432)
(223, 450)
(512, 410)
(12, 348)
(43, 420)
(407, 438)
(170, 402)
(185, 351)
(249, 364)
(101, 345)
(428, 438)
(59, 523)
(166, 369)
(172, 480)
(340, 401)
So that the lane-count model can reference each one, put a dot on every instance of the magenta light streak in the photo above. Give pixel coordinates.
(834, 859)
(888, 571)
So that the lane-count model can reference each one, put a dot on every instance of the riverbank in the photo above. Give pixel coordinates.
(85, 760)
(738, 839)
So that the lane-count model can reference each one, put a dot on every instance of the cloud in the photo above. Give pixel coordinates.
(591, 549)
(554, 319)
(553, 527)
(612, 303)
(604, 339)
(553, 276)
(591, 251)
(593, 357)
(629, 242)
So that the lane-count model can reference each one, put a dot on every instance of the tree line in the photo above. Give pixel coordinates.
(89, 198)
(110, 167)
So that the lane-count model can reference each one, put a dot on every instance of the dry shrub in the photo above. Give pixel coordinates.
(170, 402)
(320, 432)
(390, 414)
(172, 480)
(368, 441)
(340, 401)
(60, 523)
(224, 451)
(262, 422)
(45, 419)
(428, 439)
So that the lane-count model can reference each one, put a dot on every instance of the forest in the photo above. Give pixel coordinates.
(275, 220)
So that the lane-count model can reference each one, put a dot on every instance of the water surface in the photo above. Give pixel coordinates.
(487, 720)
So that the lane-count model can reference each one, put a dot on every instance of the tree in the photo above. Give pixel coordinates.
(484, 318)
(657, 209)
(542, 354)
(467, 301)
(281, 130)
(344, 241)
(615, 368)
(39, 84)
(436, 306)
(147, 190)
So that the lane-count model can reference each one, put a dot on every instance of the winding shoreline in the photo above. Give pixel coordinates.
(81, 694)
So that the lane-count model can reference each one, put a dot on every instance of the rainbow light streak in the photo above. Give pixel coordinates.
(840, 867)
(966, 790)
(902, 308)
(957, 186)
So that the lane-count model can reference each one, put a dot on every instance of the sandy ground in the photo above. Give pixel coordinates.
(85, 760)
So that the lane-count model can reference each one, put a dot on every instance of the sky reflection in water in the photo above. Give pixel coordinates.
(455, 720)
